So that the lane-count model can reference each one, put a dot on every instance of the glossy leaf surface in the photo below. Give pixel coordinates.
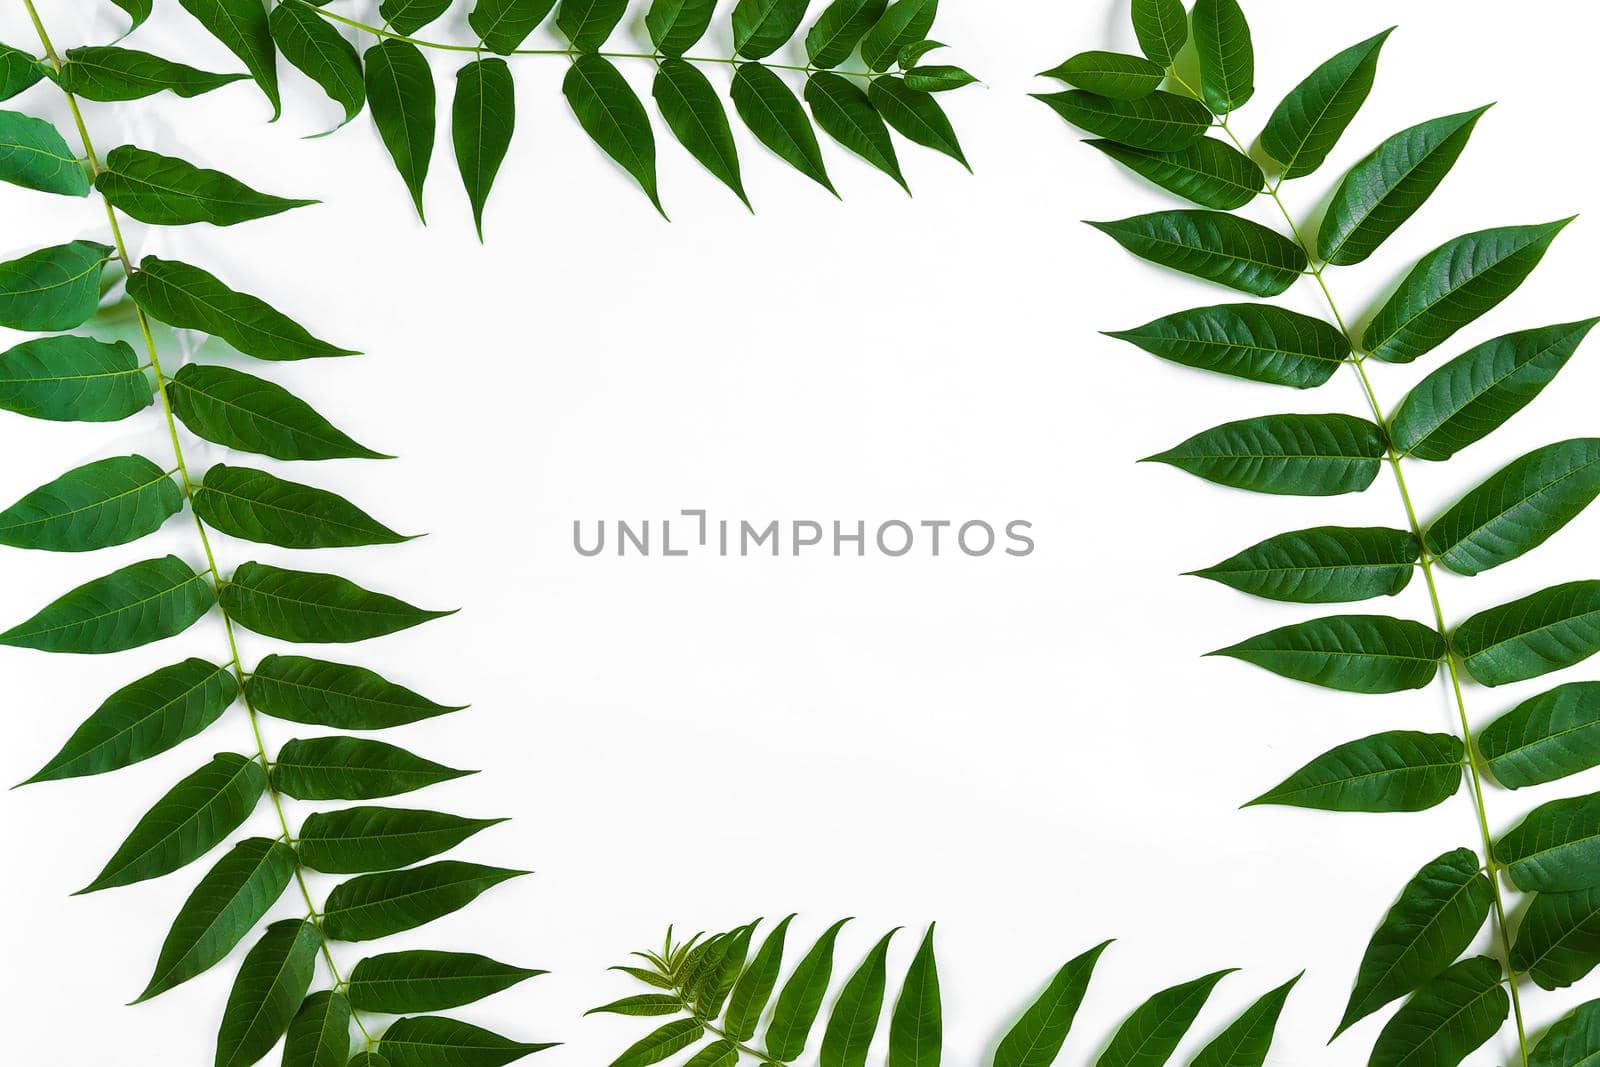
(482, 119)
(800, 999)
(1546, 738)
(241, 26)
(1546, 631)
(166, 191)
(1558, 939)
(361, 839)
(905, 22)
(1213, 245)
(916, 1031)
(1110, 74)
(1309, 122)
(335, 695)
(1151, 1034)
(1397, 771)
(853, 1021)
(1286, 455)
(403, 99)
(319, 1033)
(269, 990)
(136, 605)
(1038, 1037)
(1556, 849)
(1162, 27)
(839, 29)
(423, 980)
(846, 114)
(1449, 1019)
(264, 508)
(1208, 172)
(1247, 1041)
(916, 116)
(1227, 55)
(761, 27)
(430, 1041)
(1325, 565)
(350, 768)
(773, 113)
(73, 379)
(1160, 122)
(239, 410)
(1257, 342)
(54, 288)
(320, 52)
(109, 73)
(100, 504)
(755, 986)
(612, 115)
(304, 606)
(377, 905)
(34, 156)
(1353, 653)
(676, 26)
(694, 113)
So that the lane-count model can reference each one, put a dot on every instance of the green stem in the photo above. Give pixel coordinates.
(182, 470)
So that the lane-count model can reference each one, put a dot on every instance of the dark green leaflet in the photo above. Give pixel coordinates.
(1110, 74)
(916, 1032)
(1558, 940)
(587, 23)
(1287, 455)
(335, 695)
(189, 298)
(271, 986)
(104, 72)
(720, 1053)
(1257, 342)
(18, 71)
(854, 1020)
(1540, 633)
(912, 53)
(916, 116)
(409, 16)
(303, 606)
(905, 22)
(350, 768)
(839, 28)
(677, 25)
(1213, 245)
(319, 1033)
(1518, 508)
(761, 27)
(226, 905)
(1453, 286)
(1227, 56)
(1477, 392)
(429, 1041)
(643, 1006)
(165, 191)
(1353, 653)
(368, 1059)
(1448, 1019)
(401, 94)
(1311, 119)
(130, 607)
(1390, 185)
(73, 379)
(1397, 771)
(361, 839)
(377, 905)
(34, 156)
(138, 11)
(1037, 1038)
(754, 988)
(424, 980)
(241, 25)
(1439, 913)
(104, 503)
(1149, 1036)
(239, 410)
(1248, 1039)
(261, 507)
(772, 113)
(1208, 172)
(1162, 27)
(1326, 565)
(320, 52)
(1546, 738)
(481, 122)
(54, 288)
(194, 817)
(662, 1044)
(1160, 122)
(1574, 1041)
(612, 115)
(693, 112)
(505, 24)
(1556, 849)
(937, 78)
(801, 998)
(846, 114)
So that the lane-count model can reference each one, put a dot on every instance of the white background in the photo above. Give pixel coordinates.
(1031, 752)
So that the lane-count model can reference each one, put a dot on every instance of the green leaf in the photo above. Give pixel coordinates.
(662, 1044)
(1037, 1038)
(1325, 565)
(377, 905)
(367, 1059)
(846, 114)
(1308, 124)
(430, 1041)
(425, 980)
(613, 117)
(320, 52)
(18, 71)
(54, 288)
(307, 607)
(1450, 1018)
(108, 73)
(271, 986)
(1389, 186)
(937, 78)
(241, 26)
(1545, 739)
(754, 988)
(1477, 392)
(1208, 172)
(1257, 342)
(854, 1020)
(916, 1033)
(143, 719)
(643, 1006)
(1438, 915)
(73, 379)
(761, 27)
(775, 116)
(226, 905)
(193, 817)
(349, 768)
(587, 23)
(711, 991)
(1248, 1039)
(1160, 122)
(189, 298)
(1162, 27)
(1285, 455)
(1518, 508)
(916, 116)
(138, 11)
(239, 410)
(800, 999)
(1547, 631)
(1151, 1034)
(1227, 56)
(504, 24)
(1110, 74)
(164, 191)
(696, 117)
(335, 695)
(409, 16)
(905, 22)
(261, 507)
(136, 605)
(1558, 939)
(1353, 653)
(677, 25)
(361, 839)
(403, 99)
(34, 156)
(1574, 1041)
(1213, 245)
(482, 119)
(841, 26)
(720, 1053)
(319, 1033)
(100, 504)
(1556, 849)
(1396, 771)
(1453, 286)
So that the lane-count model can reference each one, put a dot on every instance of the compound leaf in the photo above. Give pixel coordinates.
(1353, 653)
(754, 988)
